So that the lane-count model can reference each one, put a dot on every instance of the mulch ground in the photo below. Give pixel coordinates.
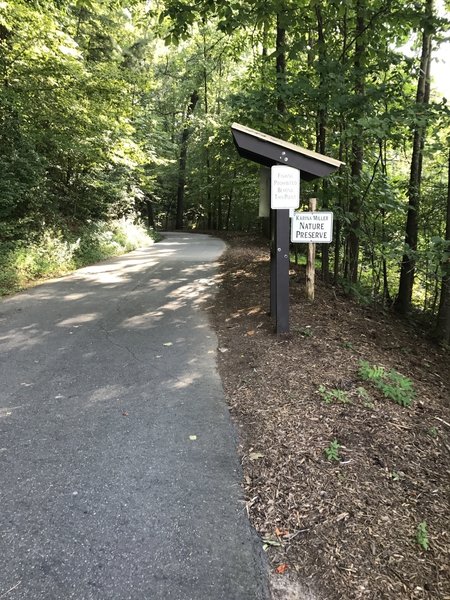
(342, 527)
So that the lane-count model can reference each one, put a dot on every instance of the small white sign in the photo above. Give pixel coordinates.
(312, 227)
(285, 187)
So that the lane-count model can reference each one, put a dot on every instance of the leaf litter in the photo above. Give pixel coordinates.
(350, 525)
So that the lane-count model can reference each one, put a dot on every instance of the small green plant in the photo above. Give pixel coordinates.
(306, 332)
(433, 432)
(395, 475)
(364, 395)
(393, 385)
(371, 373)
(328, 396)
(348, 345)
(332, 451)
(422, 535)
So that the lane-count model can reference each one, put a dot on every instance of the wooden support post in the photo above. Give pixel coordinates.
(273, 267)
(282, 270)
(311, 260)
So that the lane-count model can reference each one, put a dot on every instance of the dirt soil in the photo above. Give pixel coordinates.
(342, 525)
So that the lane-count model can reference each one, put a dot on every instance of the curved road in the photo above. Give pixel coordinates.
(119, 477)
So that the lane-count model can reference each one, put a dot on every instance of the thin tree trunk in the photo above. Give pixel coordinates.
(442, 331)
(182, 160)
(337, 222)
(150, 213)
(357, 153)
(281, 61)
(408, 266)
(322, 133)
(230, 199)
(209, 201)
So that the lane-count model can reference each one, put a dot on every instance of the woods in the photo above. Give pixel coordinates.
(122, 109)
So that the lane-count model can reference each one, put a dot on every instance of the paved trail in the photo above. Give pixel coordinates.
(106, 376)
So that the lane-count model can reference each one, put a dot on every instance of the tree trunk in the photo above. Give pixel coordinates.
(230, 199)
(357, 153)
(442, 331)
(407, 271)
(150, 214)
(182, 160)
(322, 133)
(281, 62)
(209, 201)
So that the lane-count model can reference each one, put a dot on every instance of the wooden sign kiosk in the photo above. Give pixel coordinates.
(268, 151)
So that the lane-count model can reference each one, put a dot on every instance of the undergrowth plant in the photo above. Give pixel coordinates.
(332, 451)
(392, 384)
(328, 396)
(422, 535)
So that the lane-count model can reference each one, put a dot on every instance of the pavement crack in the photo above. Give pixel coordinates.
(122, 346)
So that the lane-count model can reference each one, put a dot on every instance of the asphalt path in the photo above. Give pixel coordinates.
(119, 476)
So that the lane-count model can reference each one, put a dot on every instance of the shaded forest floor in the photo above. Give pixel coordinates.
(348, 520)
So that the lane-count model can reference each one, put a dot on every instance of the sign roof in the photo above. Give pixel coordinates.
(267, 150)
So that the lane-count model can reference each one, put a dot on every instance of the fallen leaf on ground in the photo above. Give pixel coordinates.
(255, 455)
(281, 568)
(192, 438)
(167, 344)
(124, 413)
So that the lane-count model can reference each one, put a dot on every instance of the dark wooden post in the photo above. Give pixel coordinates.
(273, 268)
(281, 250)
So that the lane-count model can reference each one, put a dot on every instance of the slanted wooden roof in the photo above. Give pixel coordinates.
(268, 150)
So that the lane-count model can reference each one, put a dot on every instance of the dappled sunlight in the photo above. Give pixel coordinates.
(159, 284)
(194, 290)
(184, 381)
(107, 393)
(173, 305)
(23, 340)
(173, 243)
(74, 297)
(117, 271)
(79, 319)
(142, 320)
(201, 267)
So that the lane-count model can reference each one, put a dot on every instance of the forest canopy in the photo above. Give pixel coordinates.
(114, 109)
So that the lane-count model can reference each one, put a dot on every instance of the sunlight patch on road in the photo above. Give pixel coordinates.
(143, 320)
(16, 340)
(73, 297)
(184, 382)
(107, 394)
(84, 318)
(116, 272)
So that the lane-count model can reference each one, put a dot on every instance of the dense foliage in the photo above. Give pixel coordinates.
(120, 108)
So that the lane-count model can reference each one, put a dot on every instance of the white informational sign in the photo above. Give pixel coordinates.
(285, 187)
(312, 227)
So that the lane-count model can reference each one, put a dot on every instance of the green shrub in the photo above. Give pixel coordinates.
(55, 254)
